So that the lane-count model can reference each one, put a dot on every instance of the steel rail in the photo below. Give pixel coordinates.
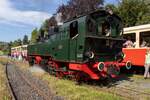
(30, 84)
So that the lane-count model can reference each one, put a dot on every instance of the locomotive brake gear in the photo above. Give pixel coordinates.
(120, 56)
(113, 69)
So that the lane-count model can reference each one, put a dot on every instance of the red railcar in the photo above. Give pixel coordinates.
(138, 35)
(135, 55)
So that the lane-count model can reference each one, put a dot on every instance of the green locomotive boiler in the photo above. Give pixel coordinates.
(89, 45)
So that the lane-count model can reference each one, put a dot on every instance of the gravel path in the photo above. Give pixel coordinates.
(130, 87)
(27, 87)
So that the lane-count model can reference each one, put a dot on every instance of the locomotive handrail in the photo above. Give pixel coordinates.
(104, 37)
(103, 54)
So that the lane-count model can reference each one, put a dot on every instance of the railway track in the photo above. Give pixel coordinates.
(25, 87)
(125, 92)
(13, 96)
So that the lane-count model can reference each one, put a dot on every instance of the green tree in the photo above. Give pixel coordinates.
(144, 17)
(17, 42)
(45, 25)
(134, 12)
(4, 48)
(44, 28)
(25, 40)
(34, 35)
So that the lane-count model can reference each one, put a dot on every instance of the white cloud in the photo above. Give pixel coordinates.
(11, 15)
(11, 23)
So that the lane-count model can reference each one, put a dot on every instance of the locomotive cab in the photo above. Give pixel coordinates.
(98, 44)
(103, 36)
(103, 41)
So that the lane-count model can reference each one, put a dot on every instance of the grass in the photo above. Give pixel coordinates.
(3, 60)
(70, 91)
(4, 93)
(21, 64)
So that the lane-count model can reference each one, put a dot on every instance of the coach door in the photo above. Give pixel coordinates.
(73, 40)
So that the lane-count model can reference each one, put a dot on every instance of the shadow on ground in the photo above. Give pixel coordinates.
(125, 76)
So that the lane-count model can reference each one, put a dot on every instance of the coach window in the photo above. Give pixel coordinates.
(145, 37)
(74, 30)
(131, 35)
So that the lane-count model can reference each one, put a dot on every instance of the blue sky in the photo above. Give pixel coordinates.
(20, 17)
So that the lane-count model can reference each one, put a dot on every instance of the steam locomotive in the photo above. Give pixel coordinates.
(85, 47)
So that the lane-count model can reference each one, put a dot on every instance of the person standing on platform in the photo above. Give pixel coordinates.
(147, 64)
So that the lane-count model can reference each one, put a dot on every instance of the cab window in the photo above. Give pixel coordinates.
(73, 29)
